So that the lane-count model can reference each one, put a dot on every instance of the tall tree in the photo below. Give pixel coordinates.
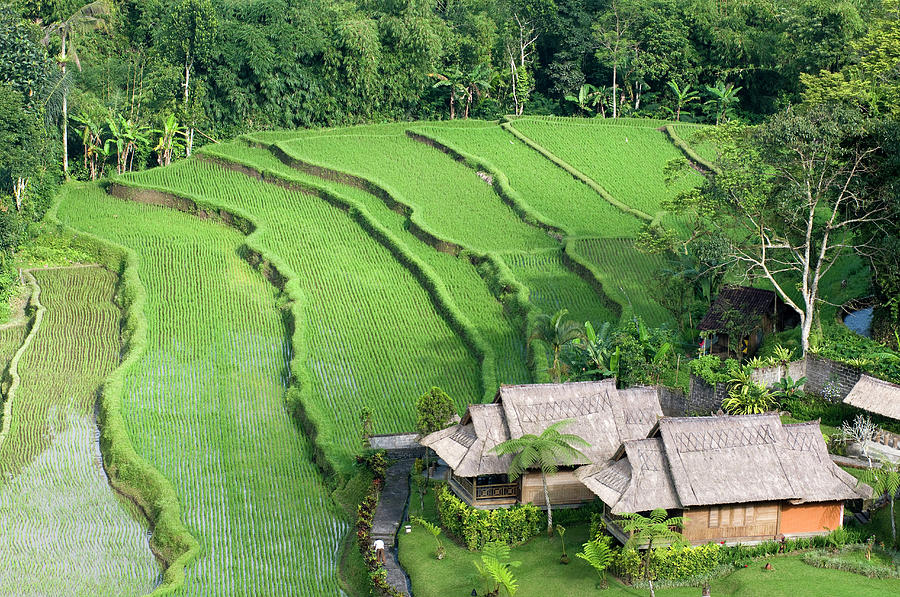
(189, 35)
(613, 33)
(434, 411)
(89, 17)
(788, 195)
(546, 452)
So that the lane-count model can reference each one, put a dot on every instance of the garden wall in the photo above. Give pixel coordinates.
(823, 377)
(829, 378)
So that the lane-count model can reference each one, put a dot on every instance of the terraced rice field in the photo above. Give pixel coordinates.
(552, 193)
(64, 530)
(386, 250)
(627, 157)
(205, 404)
(628, 275)
(465, 287)
(374, 339)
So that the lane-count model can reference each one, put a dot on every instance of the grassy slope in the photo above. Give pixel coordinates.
(356, 292)
(448, 198)
(627, 158)
(552, 192)
(464, 285)
(207, 407)
(57, 510)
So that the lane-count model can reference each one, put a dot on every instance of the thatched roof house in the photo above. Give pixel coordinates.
(755, 310)
(602, 415)
(875, 396)
(732, 477)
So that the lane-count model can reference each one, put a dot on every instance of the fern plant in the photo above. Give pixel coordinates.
(435, 531)
(496, 571)
(598, 553)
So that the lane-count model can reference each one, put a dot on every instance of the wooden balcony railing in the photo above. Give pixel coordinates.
(500, 490)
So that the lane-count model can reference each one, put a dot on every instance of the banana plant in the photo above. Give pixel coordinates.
(587, 99)
(91, 130)
(722, 99)
(683, 96)
(600, 351)
(125, 136)
(170, 136)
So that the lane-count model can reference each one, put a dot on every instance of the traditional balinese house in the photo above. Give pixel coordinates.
(734, 478)
(876, 396)
(754, 311)
(602, 415)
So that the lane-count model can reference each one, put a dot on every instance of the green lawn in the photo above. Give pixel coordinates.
(540, 573)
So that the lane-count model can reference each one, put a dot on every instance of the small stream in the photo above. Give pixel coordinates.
(860, 321)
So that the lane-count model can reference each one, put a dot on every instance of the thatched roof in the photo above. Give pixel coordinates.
(746, 304)
(602, 415)
(700, 461)
(876, 396)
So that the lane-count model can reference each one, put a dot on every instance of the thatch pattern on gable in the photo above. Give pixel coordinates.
(875, 396)
(702, 461)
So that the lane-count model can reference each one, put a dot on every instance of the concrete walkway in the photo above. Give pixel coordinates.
(388, 517)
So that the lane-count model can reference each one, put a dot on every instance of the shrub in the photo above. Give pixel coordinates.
(474, 527)
(675, 562)
(841, 561)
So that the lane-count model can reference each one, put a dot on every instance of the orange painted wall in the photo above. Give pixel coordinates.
(810, 518)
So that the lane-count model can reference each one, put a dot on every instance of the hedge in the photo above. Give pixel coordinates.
(474, 527)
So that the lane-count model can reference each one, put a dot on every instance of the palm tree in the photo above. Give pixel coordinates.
(598, 553)
(556, 332)
(647, 530)
(683, 96)
(723, 96)
(89, 17)
(885, 480)
(545, 451)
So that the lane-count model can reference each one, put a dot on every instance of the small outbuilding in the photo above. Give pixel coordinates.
(740, 479)
(751, 312)
(875, 396)
(602, 415)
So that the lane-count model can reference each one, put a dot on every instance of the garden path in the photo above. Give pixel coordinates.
(388, 516)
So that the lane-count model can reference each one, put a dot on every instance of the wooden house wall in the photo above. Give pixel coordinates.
(563, 487)
(714, 523)
(759, 520)
(811, 518)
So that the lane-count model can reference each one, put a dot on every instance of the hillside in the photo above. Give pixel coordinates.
(399, 257)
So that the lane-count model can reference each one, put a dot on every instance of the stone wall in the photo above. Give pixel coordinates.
(769, 376)
(398, 445)
(672, 401)
(822, 374)
(704, 399)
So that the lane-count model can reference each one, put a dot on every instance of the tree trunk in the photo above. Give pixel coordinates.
(65, 115)
(893, 522)
(806, 322)
(614, 89)
(652, 592)
(547, 501)
(189, 137)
